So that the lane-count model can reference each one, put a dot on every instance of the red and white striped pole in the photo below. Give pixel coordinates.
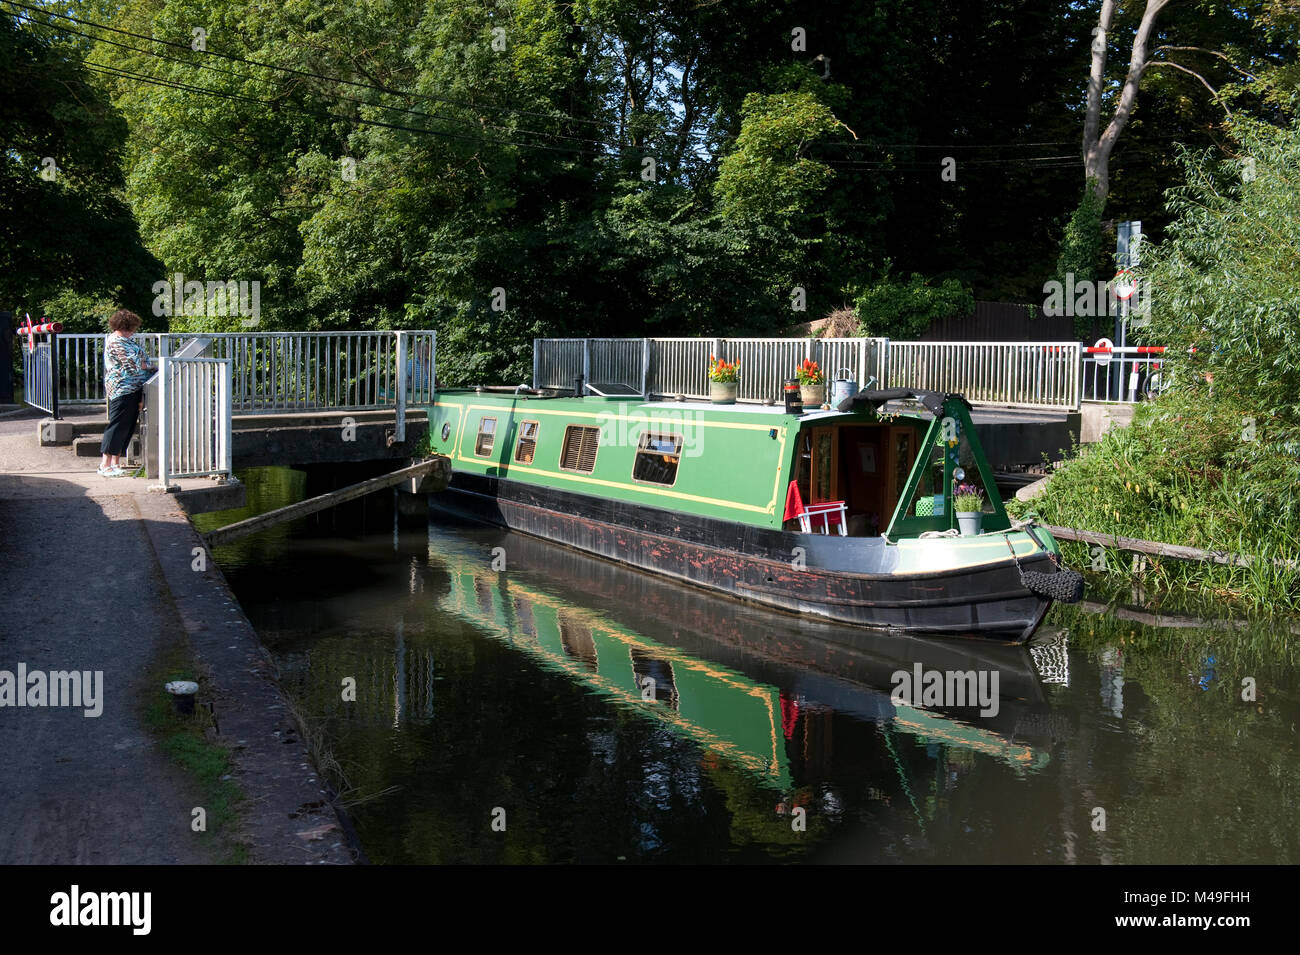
(31, 331)
(52, 329)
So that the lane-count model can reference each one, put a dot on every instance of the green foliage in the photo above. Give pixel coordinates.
(904, 310)
(1227, 281)
(82, 313)
(768, 174)
(1081, 250)
(1176, 475)
(68, 231)
(502, 145)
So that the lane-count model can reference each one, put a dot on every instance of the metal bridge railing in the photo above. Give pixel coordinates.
(38, 378)
(680, 366)
(1123, 374)
(1049, 375)
(313, 371)
(215, 375)
(558, 361)
(81, 365)
(863, 357)
(765, 363)
(1025, 374)
(282, 371)
(194, 418)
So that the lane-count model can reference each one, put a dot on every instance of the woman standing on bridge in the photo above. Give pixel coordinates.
(126, 368)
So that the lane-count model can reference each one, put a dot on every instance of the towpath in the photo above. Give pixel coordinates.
(99, 575)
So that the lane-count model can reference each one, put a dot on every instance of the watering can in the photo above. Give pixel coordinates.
(842, 388)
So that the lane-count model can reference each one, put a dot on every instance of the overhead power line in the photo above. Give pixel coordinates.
(350, 99)
(475, 107)
(295, 71)
(323, 114)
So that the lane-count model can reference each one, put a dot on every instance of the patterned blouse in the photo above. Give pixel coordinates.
(126, 366)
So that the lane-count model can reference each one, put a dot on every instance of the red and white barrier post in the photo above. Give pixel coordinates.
(52, 329)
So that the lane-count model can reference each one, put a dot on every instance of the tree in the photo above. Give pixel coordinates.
(905, 310)
(68, 240)
(1234, 28)
(1097, 143)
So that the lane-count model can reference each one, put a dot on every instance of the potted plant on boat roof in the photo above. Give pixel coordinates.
(812, 384)
(968, 503)
(724, 380)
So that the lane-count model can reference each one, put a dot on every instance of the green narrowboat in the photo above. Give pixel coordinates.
(844, 514)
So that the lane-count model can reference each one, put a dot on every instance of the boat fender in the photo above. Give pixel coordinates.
(1065, 586)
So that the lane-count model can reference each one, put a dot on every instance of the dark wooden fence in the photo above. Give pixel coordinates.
(1002, 322)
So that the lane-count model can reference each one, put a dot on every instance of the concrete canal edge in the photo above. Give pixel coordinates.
(289, 815)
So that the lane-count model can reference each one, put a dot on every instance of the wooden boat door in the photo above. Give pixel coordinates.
(825, 483)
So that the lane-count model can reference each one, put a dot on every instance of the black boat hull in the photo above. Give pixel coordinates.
(988, 601)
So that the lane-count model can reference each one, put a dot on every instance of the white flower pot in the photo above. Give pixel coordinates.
(723, 392)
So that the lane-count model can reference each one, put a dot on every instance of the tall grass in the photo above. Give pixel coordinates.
(1186, 472)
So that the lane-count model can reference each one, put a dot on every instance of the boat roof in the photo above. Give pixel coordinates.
(746, 408)
(642, 403)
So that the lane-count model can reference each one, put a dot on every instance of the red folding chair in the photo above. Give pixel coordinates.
(830, 512)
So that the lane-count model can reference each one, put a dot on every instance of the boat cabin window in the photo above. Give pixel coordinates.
(657, 457)
(526, 446)
(487, 432)
(580, 446)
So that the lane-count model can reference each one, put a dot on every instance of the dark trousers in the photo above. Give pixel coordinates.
(123, 414)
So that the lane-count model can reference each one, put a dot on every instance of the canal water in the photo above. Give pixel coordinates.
(487, 697)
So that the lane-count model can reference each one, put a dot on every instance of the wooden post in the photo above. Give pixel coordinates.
(1158, 548)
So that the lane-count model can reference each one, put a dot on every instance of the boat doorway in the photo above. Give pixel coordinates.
(863, 466)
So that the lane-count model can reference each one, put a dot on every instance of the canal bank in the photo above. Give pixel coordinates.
(110, 579)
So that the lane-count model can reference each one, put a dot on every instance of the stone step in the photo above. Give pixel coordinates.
(87, 446)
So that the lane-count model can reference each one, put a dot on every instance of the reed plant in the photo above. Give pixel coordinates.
(1179, 474)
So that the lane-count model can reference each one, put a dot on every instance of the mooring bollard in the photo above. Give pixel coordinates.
(182, 692)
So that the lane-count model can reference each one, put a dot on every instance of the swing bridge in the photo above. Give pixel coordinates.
(243, 399)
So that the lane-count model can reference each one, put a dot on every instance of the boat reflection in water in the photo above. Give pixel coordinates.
(735, 680)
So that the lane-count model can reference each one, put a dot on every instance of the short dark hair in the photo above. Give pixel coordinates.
(124, 321)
